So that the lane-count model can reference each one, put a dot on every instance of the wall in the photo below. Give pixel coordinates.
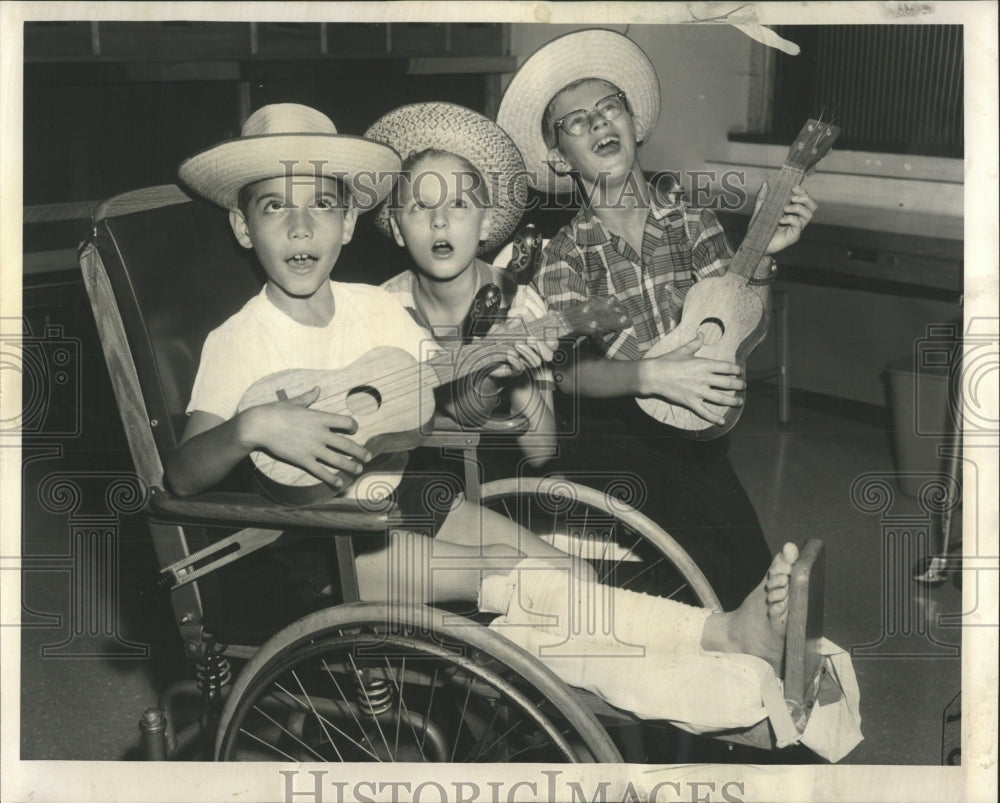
(704, 78)
(842, 337)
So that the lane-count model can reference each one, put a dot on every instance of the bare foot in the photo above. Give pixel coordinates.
(757, 627)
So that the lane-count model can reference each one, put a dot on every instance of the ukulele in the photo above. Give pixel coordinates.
(731, 312)
(391, 395)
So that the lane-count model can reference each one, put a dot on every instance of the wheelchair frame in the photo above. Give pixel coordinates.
(140, 379)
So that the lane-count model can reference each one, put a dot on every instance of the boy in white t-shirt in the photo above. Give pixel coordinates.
(296, 219)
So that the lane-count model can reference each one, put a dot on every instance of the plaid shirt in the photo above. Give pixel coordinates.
(679, 246)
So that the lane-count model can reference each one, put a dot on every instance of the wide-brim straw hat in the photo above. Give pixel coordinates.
(593, 53)
(466, 133)
(282, 133)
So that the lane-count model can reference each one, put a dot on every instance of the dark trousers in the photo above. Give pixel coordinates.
(687, 487)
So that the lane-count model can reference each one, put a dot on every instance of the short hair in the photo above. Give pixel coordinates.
(414, 158)
(243, 197)
(549, 133)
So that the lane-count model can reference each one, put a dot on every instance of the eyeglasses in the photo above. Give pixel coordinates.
(577, 122)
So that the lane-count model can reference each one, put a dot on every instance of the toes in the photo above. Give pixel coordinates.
(778, 577)
(781, 565)
(777, 610)
(776, 595)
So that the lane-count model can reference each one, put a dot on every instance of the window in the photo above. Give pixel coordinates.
(891, 88)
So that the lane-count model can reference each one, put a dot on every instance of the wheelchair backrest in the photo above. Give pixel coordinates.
(176, 273)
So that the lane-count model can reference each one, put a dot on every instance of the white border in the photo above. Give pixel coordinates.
(975, 780)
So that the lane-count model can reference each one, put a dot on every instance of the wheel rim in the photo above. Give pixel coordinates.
(627, 549)
(366, 691)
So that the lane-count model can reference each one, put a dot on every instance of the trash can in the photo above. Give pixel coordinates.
(918, 400)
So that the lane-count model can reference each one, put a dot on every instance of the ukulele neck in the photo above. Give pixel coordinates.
(449, 365)
(763, 226)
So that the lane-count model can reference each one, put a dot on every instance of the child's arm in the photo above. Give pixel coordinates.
(471, 400)
(211, 446)
(678, 376)
(531, 396)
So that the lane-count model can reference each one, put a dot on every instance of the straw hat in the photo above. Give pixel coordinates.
(283, 132)
(593, 53)
(477, 139)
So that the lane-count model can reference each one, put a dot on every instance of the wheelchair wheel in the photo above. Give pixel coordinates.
(627, 549)
(373, 682)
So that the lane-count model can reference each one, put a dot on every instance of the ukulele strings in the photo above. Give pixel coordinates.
(404, 377)
(765, 224)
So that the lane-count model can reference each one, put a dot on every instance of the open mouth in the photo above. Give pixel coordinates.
(606, 146)
(301, 261)
(442, 248)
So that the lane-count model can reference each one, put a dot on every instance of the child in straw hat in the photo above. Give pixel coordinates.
(460, 194)
(294, 187)
(291, 184)
(579, 108)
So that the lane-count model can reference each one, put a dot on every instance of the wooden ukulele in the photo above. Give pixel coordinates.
(391, 395)
(731, 312)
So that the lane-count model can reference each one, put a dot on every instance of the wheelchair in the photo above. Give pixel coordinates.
(356, 681)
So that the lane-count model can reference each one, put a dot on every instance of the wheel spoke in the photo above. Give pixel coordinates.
(277, 750)
(486, 732)
(430, 703)
(347, 702)
(312, 707)
(464, 711)
(361, 685)
(347, 736)
(285, 730)
(497, 741)
(402, 707)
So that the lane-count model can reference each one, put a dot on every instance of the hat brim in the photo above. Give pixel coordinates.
(594, 53)
(220, 172)
(466, 133)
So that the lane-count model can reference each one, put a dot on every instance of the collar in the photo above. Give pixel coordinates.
(486, 274)
(589, 230)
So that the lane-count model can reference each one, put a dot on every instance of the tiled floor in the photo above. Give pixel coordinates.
(800, 478)
(824, 476)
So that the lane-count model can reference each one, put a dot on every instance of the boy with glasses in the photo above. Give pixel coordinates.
(579, 108)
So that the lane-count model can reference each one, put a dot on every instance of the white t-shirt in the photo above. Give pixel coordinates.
(260, 340)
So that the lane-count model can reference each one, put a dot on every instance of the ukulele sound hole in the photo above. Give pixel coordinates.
(712, 329)
(363, 400)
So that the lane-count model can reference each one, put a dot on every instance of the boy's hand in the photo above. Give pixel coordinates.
(697, 383)
(523, 352)
(796, 216)
(309, 439)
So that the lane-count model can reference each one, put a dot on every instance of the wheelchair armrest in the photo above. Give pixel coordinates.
(445, 425)
(223, 509)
